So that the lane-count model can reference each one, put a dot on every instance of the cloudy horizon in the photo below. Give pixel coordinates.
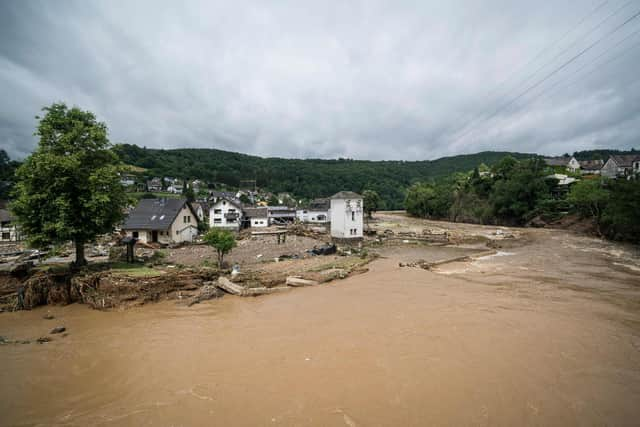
(367, 80)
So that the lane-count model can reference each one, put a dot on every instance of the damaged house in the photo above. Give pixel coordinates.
(162, 221)
(226, 212)
(317, 212)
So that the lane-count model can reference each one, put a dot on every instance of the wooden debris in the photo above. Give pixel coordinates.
(298, 281)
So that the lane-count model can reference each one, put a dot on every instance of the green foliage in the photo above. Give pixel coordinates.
(621, 217)
(221, 240)
(7, 174)
(590, 198)
(245, 199)
(372, 202)
(511, 193)
(69, 188)
(308, 179)
(517, 190)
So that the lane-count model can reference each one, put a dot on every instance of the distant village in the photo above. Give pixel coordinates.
(167, 216)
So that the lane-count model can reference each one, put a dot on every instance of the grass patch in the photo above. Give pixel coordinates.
(134, 270)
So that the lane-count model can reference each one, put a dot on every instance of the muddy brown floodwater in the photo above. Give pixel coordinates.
(543, 334)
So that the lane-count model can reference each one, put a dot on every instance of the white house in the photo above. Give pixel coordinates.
(9, 232)
(347, 216)
(569, 163)
(256, 217)
(621, 166)
(226, 212)
(163, 221)
(317, 212)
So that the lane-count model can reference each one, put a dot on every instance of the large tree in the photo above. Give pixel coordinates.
(69, 188)
(372, 202)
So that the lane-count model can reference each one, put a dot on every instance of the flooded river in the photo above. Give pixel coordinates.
(544, 334)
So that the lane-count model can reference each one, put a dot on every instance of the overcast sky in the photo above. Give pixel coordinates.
(367, 80)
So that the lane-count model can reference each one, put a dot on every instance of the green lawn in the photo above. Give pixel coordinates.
(135, 270)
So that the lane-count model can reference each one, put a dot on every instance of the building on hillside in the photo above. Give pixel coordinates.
(9, 231)
(127, 179)
(281, 215)
(256, 217)
(591, 167)
(569, 163)
(162, 221)
(621, 166)
(317, 212)
(226, 213)
(347, 216)
(154, 185)
(176, 188)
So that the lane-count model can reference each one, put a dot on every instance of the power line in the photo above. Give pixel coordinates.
(552, 45)
(552, 73)
(595, 66)
(478, 118)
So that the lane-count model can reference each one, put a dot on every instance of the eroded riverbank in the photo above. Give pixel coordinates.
(543, 334)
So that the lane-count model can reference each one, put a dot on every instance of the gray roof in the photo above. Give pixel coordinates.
(155, 214)
(591, 164)
(625, 161)
(319, 204)
(256, 212)
(557, 161)
(346, 195)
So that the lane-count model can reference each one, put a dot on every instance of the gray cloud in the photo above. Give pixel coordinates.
(372, 80)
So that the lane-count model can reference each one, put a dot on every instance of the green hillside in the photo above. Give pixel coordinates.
(306, 178)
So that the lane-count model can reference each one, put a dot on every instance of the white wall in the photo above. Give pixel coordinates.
(219, 220)
(259, 222)
(347, 220)
(313, 216)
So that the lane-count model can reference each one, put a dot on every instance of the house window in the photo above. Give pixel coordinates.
(217, 211)
(177, 232)
(187, 219)
(231, 210)
(6, 236)
(135, 234)
(217, 220)
(353, 216)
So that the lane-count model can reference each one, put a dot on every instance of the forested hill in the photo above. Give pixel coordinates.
(306, 178)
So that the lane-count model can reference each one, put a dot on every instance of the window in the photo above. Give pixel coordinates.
(217, 211)
(353, 216)
(187, 219)
(135, 234)
(177, 233)
(6, 236)
(231, 210)
(217, 220)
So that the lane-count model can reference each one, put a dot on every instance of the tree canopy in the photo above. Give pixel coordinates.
(221, 240)
(69, 187)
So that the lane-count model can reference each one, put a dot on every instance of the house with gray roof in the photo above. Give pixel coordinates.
(317, 211)
(568, 162)
(162, 221)
(617, 166)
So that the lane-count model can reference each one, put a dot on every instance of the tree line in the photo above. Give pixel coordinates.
(515, 192)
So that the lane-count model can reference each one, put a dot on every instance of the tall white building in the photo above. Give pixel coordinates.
(347, 216)
(226, 213)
